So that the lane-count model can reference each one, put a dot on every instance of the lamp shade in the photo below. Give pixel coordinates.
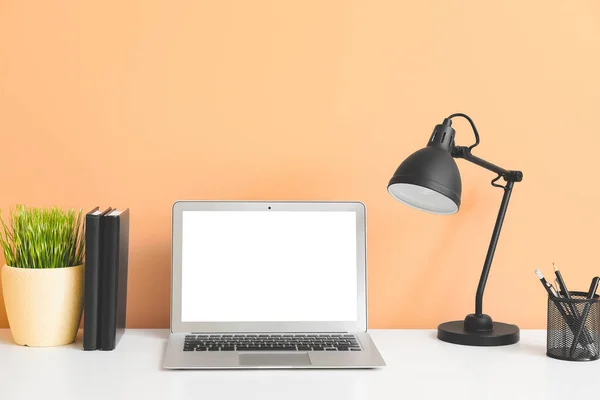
(428, 180)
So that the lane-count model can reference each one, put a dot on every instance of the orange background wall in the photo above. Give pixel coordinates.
(141, 103)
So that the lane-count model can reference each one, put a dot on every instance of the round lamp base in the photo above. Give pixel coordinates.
(501, 335)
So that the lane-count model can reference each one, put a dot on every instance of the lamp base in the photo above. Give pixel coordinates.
(501, 334)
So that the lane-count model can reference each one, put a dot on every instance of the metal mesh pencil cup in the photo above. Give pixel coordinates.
(573, 328)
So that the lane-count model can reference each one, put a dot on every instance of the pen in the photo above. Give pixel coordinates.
(548, 286)
(565, 292)
(593, 287)
(561, 282)
(584, 314)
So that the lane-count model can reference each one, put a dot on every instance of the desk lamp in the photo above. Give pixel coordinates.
(429, 181)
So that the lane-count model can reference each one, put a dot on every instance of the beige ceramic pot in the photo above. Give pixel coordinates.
(43, 305)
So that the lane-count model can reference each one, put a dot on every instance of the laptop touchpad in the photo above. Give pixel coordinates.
(275, 360)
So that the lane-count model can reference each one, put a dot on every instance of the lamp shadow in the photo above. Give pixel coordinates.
(434, 260)
(447, 239)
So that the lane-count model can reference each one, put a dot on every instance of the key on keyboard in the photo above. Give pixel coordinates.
(264, 342)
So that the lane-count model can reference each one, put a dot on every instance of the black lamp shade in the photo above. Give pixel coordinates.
(428, 180)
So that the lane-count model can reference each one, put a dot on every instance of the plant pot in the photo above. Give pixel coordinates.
(43, 305)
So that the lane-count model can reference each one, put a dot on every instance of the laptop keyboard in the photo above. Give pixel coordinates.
(271, 343)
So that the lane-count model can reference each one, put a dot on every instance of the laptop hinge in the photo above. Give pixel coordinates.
(266, 332)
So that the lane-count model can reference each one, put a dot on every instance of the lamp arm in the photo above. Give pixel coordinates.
(510, 177)
(465, 153)
(492, 248)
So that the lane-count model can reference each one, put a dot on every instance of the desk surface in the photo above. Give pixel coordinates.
(419, 367)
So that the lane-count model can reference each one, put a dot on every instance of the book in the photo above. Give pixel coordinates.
(93, 251)
(115, 260)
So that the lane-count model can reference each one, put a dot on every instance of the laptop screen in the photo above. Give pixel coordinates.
(271, 266)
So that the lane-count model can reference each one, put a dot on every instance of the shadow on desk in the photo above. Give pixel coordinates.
(7, 340)
(531, 349)
(152, 333)
(6, 337)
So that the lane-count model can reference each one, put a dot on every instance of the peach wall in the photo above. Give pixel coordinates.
(142, 103)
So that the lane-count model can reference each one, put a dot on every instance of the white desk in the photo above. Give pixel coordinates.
(419, 367)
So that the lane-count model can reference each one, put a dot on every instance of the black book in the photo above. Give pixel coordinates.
(114, 278)
(93, 252)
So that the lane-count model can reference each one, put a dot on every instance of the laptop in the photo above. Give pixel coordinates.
(259, 284)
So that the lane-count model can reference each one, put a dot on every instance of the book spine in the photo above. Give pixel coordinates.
(109, 282)
(92, 283)
(122, 274)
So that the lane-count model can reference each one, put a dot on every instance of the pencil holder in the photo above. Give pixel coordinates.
(573, 328)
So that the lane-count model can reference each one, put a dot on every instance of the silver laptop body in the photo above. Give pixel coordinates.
(258, 284)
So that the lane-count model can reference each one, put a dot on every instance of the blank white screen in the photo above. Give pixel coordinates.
(254, 266)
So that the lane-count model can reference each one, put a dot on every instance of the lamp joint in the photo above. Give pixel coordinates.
(460, 151)
(513, 176)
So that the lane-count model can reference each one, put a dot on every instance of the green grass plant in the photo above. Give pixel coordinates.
(42, 237)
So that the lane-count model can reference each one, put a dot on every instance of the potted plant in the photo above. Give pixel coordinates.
(43, 279)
